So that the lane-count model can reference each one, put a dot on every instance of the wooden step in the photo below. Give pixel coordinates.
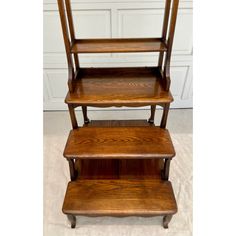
(120, 169)
(119, 198)
(118, 45)
(119, 143)
(119, 87)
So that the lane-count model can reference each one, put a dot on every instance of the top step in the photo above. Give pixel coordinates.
(118, 45)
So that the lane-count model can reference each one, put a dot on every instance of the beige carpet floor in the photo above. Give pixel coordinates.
(56, 176)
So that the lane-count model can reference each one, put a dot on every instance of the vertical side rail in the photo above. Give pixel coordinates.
(164, 30)
(166, 169)
(170, 43)
(73, 116)
(74, 165)
(65, 32)
(71, 107)
(165, 115)
(73, 171)
(153, 110)
(72, 30)
(84, 110)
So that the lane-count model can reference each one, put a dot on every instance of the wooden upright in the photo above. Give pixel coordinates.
(119, 167)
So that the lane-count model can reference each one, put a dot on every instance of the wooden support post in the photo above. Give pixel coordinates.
(153, 110)
(166, 169)
(65, 30)
(86, 119)
(78, 164)
(73, 171)
(164, 30)
(73, 116)
(71, 30)
(164, 115)
(170, 43)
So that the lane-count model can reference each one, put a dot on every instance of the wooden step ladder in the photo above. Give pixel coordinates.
(119, 168)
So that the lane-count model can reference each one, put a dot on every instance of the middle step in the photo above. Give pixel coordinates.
(119, 87)
(119, 143)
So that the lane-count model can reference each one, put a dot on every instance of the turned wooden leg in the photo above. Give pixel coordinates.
(166, 170)
(165, 115)
(166, 221)
(73, 116)
(72, 220)
(86, 119)
(153, 110)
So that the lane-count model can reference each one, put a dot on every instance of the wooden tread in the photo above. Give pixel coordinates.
(119, 198)
(118, 45)
(119, 143)
(119, 87)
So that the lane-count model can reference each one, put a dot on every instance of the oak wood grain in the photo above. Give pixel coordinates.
(119, 198)
(119, 87)
(117, 170)
(119, 143)
(119, 45)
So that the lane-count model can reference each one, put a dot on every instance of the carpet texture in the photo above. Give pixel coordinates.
(56, 177)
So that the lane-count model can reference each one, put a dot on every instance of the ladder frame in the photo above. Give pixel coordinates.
(170, 16)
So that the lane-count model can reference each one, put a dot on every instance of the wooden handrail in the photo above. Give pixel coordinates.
(66, 37)
(170, 40)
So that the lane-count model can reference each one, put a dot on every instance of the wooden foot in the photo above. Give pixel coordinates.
(166, 221)
(86, 119)
(150, 121)
(153, 110)
(72, 220)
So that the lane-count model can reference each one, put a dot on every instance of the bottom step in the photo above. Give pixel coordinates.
(119, 198)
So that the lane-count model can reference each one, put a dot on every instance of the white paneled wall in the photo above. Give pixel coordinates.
(116, 18)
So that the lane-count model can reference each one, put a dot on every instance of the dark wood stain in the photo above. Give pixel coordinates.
(117, 167)
(119, 45)
(119, 87)
(119, 198)
(119, 143)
